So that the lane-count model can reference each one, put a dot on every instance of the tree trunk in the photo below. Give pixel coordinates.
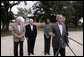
(75, 21)
(76, 24)
(5, 27)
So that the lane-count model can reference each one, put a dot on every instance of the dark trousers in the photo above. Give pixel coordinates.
(30, 45)
(47, 44)
(16, 48)
(61, 51)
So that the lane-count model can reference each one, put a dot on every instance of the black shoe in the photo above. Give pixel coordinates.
(48, 53)
(44, 53)
(28, 53)
(32, 53)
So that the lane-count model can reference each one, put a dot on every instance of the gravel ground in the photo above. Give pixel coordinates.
(7, 45)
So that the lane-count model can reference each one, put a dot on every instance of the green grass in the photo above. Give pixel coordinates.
(70, 28)
(8, 33)
(40, 27)
(73, 28)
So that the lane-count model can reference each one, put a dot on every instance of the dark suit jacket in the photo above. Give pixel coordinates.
(31, 34)
(56, 31)
(66, 36)
(66, 24)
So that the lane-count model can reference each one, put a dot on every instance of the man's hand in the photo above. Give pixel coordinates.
(66, 44)
(19, 36)
(27, 38)
(52, 34)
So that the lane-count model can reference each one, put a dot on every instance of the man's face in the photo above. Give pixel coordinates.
(60, 19)
(31, 21)
(18, 20)
(63, 20)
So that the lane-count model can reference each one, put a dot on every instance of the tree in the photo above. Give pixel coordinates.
(42, 10)
(23, 12)
(78, 13)
(6, 13)
(49, 9)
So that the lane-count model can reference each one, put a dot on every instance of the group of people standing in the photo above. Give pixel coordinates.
(20, 31)
(57, 31)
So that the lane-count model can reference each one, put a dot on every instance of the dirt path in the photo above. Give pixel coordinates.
(7, 45)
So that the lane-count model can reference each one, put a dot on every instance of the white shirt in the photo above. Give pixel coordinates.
(60, 28)
(31, 27)
(19, 27)
(61, 39)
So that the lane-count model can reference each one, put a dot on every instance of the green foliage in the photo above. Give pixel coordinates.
(6, 13)
(72, 10)
(23, 12)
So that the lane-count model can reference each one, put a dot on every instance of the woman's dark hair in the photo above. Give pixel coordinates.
(46, 21)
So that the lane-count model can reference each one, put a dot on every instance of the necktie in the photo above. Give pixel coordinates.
(19, 27)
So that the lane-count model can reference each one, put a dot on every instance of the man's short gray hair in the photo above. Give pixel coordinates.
(21, 18)
(58, 15)
(18, 18)
(31, 20)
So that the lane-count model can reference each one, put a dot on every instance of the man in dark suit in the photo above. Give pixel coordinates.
(58, 32)
(66, 24)
(31, 33)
